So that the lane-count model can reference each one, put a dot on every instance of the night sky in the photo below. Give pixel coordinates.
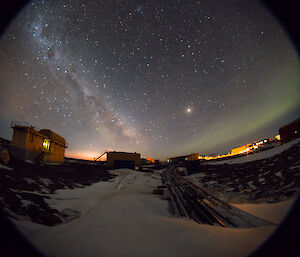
(162, 78)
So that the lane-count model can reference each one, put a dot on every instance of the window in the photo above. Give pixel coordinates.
(46, 145)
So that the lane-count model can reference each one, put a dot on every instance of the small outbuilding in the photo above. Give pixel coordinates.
(43, 146)
(119, 160)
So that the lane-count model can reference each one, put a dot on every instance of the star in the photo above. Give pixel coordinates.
(168, 76)
(188, 110)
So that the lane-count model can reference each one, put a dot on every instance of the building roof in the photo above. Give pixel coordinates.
(294, 123)
(53, 136)
(114, 152)
(44, 133)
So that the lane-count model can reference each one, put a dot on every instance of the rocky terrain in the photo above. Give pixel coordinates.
(273, 179)
(25, 187)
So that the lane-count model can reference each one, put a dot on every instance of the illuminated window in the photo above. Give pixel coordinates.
(46, 145)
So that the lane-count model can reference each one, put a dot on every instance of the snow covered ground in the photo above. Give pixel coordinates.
(5, 167)
(271, 212)
(124, 218)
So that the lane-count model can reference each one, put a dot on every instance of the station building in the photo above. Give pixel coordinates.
(119, 160)
(43, 146)
(241, 149)
(189, 157)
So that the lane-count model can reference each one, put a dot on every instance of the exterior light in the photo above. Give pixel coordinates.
(46, 145)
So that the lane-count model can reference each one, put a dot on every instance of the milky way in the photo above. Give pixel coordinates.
(158, 77)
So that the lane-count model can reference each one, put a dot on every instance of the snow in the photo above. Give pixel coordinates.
(45, 181)
(229, 189)
(195, 178)
(250, 183)
(289, 185)
(295, 167)
(25, 203)
(27, 191)
(211, 182)
(124, 218)
(5, 167)
(259, 155)
(29, 180)
(273, 212)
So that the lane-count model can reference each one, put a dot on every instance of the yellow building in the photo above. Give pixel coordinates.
(123, 160)
(43, 146)
(55, 145)
(241, 149)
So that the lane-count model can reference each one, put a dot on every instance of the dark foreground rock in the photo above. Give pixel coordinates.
(24, 188)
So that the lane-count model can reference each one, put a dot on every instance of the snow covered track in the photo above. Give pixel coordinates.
(191, 201)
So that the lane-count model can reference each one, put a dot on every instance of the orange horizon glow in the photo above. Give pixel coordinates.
(91, 155)
(85, 155)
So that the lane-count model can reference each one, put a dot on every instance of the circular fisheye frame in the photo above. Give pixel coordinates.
(149, 128)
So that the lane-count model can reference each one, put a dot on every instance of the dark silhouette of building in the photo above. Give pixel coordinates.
(290, 131)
